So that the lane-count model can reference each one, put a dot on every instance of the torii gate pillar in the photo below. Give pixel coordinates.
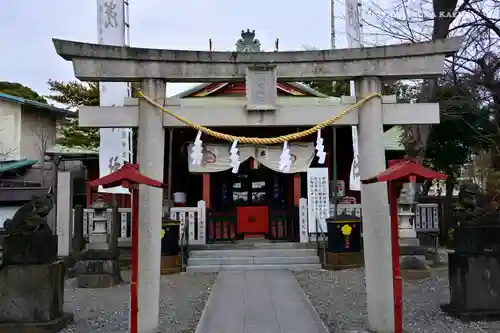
(375, 208)
(150, 151)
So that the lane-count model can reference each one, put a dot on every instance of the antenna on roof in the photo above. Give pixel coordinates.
(210, 44)
(277, 45)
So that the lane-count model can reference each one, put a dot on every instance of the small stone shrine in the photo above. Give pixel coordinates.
(474, 267)
(31, 277)
(99, 265)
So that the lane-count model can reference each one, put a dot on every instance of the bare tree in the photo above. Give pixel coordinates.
(7, 154)
(6, 151)
(478, 60)
(43, 134)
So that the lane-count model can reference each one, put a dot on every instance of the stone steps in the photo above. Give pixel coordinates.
(240, 253)
(220, 268)
(253, 261)
(245, 244)
(271, 256)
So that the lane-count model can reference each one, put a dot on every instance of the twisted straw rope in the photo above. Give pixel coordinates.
(256, 140)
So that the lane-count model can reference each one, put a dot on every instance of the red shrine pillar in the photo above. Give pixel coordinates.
(296, 189)
(206, 189)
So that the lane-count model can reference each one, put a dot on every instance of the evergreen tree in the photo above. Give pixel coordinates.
(75, 94)
(19, 90)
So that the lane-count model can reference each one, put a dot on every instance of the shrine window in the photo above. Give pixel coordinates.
(249, 187)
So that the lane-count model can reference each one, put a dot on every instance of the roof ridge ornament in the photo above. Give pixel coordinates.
(248, 42)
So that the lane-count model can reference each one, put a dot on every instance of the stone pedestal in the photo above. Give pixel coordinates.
(474, 286)
(98, 269)
(33, 249)
(411, 254)
(32, 297)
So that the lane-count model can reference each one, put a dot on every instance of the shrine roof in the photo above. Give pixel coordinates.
(200, 87)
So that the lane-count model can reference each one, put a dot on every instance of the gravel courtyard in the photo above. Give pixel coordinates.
(340, 297)
(183, 297)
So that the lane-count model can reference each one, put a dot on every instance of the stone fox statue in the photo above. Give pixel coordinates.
(29, 238)
(30, 217)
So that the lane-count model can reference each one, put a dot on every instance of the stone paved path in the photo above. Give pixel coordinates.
(267, 301)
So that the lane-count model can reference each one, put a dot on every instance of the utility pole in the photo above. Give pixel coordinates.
(332, 24)
(334, 128)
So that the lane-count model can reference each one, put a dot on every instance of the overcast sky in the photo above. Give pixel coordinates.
(27, 55)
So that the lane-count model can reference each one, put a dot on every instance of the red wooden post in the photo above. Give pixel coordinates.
(134, 300)
(128, 176)
(399, 172)
(396, 272)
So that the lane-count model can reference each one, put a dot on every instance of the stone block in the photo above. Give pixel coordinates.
(337, 261)
(98, 239)
(412, 258)
(53, 326)
(97, 273)
(97, 266)
(409, 242)
(414, 274)
(170, 264)
(474, 286)
(96, 281)
(33, 249)
(31, 298)
(412, 262)
(412, 250)
(111, 254)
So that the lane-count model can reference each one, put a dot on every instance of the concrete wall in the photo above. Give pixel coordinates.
(26, 133)
(10, 130)
(38, 132)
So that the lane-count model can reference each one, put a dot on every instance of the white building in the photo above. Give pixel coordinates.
(27, 130)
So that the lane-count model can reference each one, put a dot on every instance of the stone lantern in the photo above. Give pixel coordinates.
(412, 255)
(99, 238)
(406, 231)
(98, 266)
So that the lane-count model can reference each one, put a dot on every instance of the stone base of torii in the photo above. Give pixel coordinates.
(261, 70)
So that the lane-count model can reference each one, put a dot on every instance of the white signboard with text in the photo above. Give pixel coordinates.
(354, 40)
(115, 147)
(318, 198)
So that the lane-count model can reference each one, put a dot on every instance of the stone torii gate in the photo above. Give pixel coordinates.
(367, 66)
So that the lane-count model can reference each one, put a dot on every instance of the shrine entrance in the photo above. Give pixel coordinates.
(262, 107)
(257, 198)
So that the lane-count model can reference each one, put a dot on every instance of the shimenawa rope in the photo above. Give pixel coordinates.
(261, 141)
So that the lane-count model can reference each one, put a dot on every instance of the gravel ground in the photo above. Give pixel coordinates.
(340, 299)
(183, 297)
